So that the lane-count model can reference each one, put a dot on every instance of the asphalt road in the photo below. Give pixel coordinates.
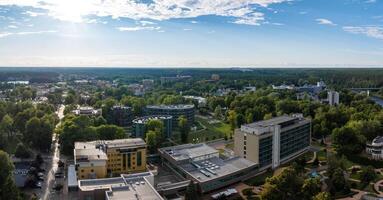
(52, 165)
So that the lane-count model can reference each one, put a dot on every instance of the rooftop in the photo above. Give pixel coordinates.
(95, 150)
(271, 122)
(130, 142)
(145, 119)
(203, 162)
(128, 186)
(189, 151)
(179, 106)
(265, 126)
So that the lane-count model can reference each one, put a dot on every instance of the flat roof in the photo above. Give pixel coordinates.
(72, 176)
(128, 186)
(178, 106)
(209, 165)
(271, 122)
(90, 154)
(103, 183)
(188, 151)
(145, 119)
(215, 167)
(129, 142)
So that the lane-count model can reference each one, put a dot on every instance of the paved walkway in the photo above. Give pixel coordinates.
(357, 196)
(376, 187)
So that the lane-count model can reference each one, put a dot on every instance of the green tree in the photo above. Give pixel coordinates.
(339, 182)
(311, 187)
(184, 128)
(110, 132)
(286, 185)
(6, 125)
(367, 174)
(218, 112)
(151, 141)
(232, 118)
(347, 141)
(322, 196)
(240, 119)
(22, 151)
(8, 188)
(39, 132)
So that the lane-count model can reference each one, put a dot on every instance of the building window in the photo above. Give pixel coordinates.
(82, 170)
(124, 161)
(139, 158)
(91, 170)
(129, 161)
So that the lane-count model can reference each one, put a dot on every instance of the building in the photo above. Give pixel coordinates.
(201, 100)
(87, 111)
(215, 77)
(175, 111)
(122, 115)
(91, 162)
(137, 89)
(202, 164)
(273, 142)
(147, 83)
(132, 186)
(375, 148)
(170, 79)
(98, 158)
(139, 125)
(333, 98)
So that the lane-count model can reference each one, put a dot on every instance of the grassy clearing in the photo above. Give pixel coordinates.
(212, 131)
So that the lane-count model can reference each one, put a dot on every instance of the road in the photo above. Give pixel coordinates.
(52, 166)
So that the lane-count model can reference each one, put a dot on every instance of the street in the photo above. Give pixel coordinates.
(52, 165)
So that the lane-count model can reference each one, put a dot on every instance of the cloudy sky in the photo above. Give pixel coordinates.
(192, 33)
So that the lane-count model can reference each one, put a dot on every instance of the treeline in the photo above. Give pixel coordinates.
(27, 123)
(84, 128)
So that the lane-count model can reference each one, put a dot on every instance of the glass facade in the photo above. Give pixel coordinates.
(265, 151)
(294, 140)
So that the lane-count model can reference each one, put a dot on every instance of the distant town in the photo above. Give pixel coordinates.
(156, 134)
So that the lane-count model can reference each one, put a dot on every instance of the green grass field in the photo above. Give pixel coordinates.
(212, 131)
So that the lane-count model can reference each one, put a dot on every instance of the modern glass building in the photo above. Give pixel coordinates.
(139, 125)
(122, 116)
(275, 141)
(175, 111)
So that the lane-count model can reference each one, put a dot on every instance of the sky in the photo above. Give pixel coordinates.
(191, 33)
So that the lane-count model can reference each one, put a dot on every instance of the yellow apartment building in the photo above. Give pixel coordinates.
(98, 159)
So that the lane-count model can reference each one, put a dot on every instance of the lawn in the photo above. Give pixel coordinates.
(211, 131)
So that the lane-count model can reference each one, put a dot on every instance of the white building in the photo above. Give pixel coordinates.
(375, 149)
(333, 98)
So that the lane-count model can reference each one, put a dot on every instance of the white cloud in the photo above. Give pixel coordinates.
(144, 23)
(12, 26)
(370, 31)
(325, 22)
(33, 14)
(194, 22)
(244, 11)
(252, 19)
(6, 34)
(370, 1)
(139, 28)
(187, 29)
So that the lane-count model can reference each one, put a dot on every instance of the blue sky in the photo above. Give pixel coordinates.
(192, 33)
